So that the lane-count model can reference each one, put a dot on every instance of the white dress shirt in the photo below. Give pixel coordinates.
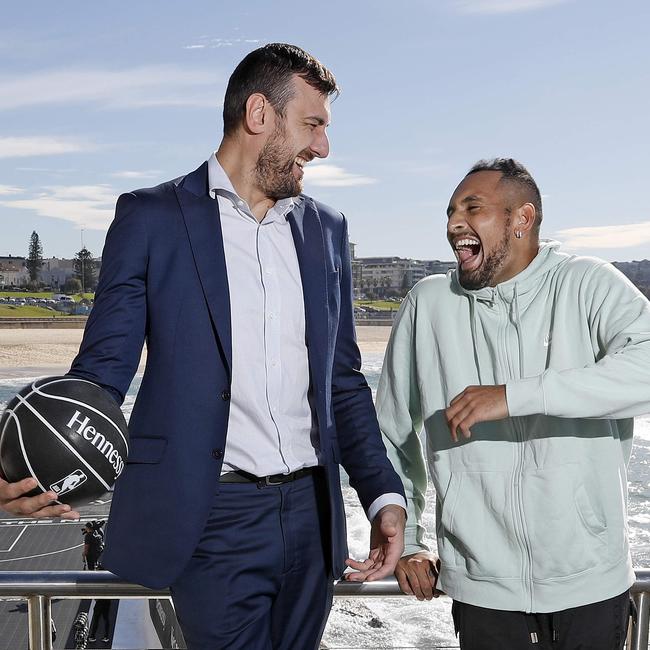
(271, 427)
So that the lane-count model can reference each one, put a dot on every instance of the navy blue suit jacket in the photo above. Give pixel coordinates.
(164, 279)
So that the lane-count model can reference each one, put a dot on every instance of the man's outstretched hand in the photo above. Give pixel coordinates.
(12, 500)
(386, 546)
(417, 575)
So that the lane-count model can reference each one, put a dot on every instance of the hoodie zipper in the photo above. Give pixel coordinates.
(520, 527)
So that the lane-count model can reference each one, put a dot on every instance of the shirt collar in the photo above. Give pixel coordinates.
(219, 185)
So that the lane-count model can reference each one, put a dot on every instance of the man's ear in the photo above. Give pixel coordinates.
(525, 218)
(256, 118)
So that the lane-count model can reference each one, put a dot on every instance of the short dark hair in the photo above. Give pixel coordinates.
(269, 70)
(514, 172)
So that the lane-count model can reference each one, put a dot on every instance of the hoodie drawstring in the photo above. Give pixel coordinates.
(472, 321)
(519, 334)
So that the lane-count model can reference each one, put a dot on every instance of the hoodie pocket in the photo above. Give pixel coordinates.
(477, 525)
(566, 533)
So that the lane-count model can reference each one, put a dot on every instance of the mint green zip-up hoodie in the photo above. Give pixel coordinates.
(531, 510)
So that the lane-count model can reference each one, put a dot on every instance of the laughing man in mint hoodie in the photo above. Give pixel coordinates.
(523, 367)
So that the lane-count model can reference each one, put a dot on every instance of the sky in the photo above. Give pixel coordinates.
(101, 98)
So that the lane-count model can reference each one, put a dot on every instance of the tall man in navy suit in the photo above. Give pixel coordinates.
(252, 394)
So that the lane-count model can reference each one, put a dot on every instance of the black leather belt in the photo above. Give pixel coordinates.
(240, 476)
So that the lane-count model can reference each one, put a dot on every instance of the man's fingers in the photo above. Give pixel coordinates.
(464, 427)
(455, 415)
(57, 511)
(425, 578)
(380, 572)
(387, 563)
(359, 576)
(453, 410)
(376, 554)
(71, 514)
(358, 565)
(422, 575)
(414, 581)
(402, 581)
(462, 422)
(41, 505)
(32, 505)
(11, 491)
(408, 578)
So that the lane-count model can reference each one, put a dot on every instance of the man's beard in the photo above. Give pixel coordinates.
(491, 265)
(274, 168)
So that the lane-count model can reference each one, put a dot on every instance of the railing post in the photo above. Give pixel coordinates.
(640, 630)
(40, 622)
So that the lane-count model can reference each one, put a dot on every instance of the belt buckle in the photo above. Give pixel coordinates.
(284, 478)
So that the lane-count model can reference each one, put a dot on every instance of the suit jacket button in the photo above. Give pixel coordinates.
(217, 454)
(225, 395)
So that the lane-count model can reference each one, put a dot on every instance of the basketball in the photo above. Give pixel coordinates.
(67, 433)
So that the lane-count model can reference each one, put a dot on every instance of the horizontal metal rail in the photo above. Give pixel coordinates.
(39, 587)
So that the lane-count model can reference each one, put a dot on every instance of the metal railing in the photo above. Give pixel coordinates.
(39, 587)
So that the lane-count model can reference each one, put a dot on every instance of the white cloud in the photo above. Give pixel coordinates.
(326, 175)
(87, 206)
(215, 43)
(144, 86)
(149, 173)
(18, 147)
(619, 236)
(9, 189)
(503, 6)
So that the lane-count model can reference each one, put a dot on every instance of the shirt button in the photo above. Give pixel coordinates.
(225, 395)
(217, 454)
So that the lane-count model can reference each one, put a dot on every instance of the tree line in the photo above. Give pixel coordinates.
(85, 268)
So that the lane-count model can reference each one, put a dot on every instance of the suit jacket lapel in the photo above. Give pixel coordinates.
(307, 234)
(203, 224)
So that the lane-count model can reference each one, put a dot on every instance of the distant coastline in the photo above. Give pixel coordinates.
(51, 351)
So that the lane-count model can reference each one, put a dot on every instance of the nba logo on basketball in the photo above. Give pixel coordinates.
(68, 483)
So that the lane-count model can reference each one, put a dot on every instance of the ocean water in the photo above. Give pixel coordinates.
(400, 623)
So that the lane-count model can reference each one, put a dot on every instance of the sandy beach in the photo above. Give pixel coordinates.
(50, 351)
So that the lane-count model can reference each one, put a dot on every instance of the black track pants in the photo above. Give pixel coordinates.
(597, 626)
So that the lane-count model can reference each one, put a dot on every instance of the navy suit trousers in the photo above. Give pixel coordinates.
(259, 578)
